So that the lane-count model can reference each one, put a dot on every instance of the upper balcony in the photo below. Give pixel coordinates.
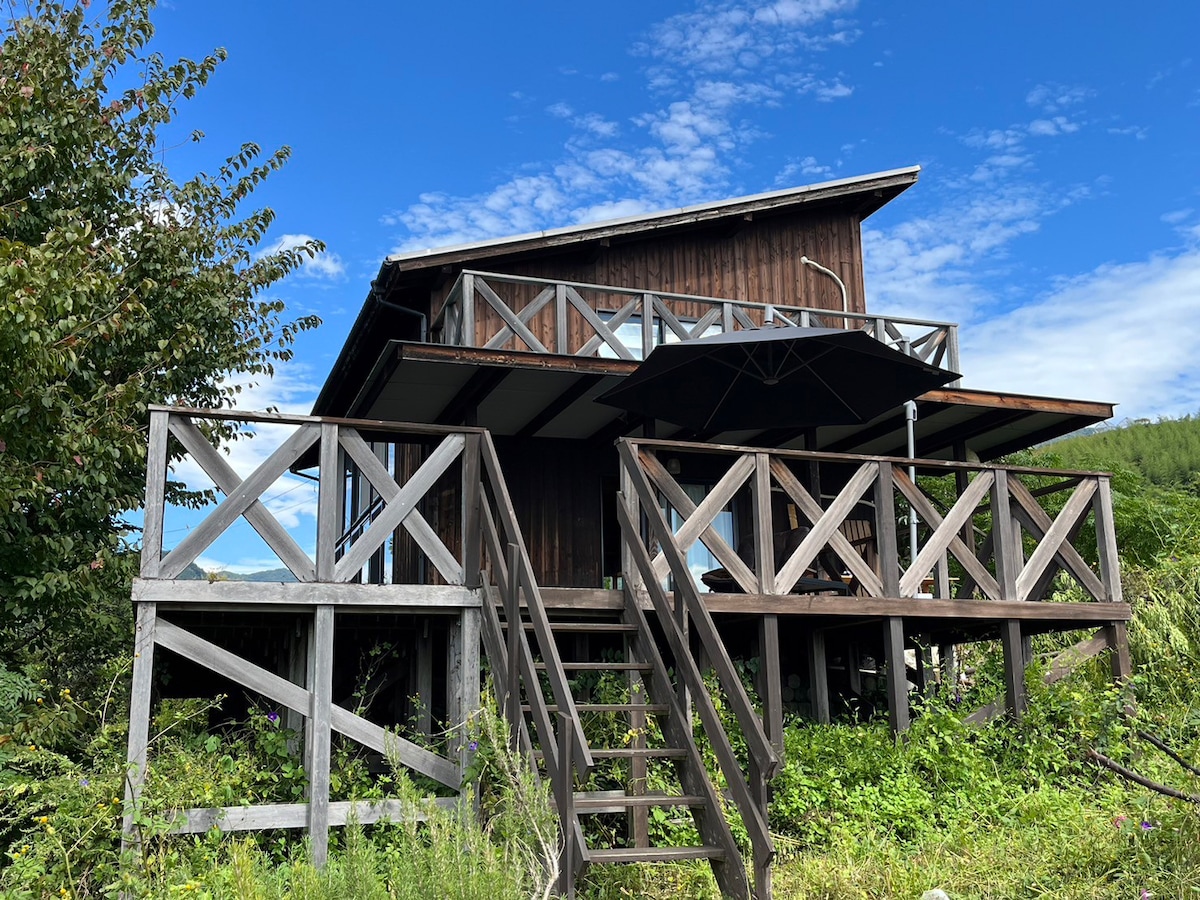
(495, 311)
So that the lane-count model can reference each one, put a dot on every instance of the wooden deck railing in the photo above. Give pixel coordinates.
(1005, 533)
(373, 480)
(580, 319)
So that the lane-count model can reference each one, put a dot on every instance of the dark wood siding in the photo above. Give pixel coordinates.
(556, 492)
(758, 261)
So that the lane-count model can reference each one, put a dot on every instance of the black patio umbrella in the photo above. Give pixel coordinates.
(774, 378)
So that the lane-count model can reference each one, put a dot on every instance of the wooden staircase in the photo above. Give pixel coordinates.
(644, 736)
(600, 750)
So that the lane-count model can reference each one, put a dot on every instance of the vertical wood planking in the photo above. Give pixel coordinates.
(139, 716)
(1014, 667)
(897, 673)
(156, 484)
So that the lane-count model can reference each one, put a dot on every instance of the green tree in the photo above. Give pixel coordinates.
(119, 287)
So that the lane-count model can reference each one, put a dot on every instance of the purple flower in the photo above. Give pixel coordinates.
(473, 746)
(273, 717)
(1147, 826)
(84, 782)
(1145, 894)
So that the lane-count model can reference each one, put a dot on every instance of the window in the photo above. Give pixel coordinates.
(699, 558)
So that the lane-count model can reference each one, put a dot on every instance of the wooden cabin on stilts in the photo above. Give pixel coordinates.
(481, 512)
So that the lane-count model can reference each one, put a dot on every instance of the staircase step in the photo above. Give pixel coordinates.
(632, 753)
(611, 707)
(654, 854)
(618, 801)
(588, 627)
(600, 667)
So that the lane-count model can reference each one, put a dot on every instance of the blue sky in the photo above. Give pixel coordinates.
(1057, 217)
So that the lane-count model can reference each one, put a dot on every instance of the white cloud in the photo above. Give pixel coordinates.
(708, 66)
(322, 265)
(808, 167)
(1052, 127)
(1136, 131)
(1123, 333)
(1051, 98)
(1176, 216)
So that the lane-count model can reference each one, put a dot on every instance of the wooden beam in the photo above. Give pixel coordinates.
(434, 598)
(559, 405)
(295, 815)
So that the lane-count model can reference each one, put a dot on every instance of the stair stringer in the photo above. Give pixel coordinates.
(729, 872)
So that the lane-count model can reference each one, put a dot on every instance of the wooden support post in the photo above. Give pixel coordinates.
(297, 669)
(639, 769)
(472, 530)
(424, 658)
(885, 532)
(854, 667)
(156, 483)
(818, 676)
(139, 718)
(317, 749)
(512, 617)
(462, 680)
(467, 318)
(565, 795)
(897, 673)
(1014, 668)
(1116, 636)
(948, 658)
(1005, 543)
(771, 680)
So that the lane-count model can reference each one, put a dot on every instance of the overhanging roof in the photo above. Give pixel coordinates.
(414, 274)
(869, 191)
(551, 396)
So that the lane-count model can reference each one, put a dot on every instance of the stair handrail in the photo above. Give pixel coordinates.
(510, 533)
(687, 601)
(748, 804)
(512, 573)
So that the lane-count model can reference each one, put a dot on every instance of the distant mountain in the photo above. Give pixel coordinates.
(1166, 452)
(194, 573)
(265, 575)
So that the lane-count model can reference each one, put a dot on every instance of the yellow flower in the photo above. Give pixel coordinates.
(49, 829)
(43, 820)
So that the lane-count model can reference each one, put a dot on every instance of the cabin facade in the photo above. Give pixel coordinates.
(470, 481)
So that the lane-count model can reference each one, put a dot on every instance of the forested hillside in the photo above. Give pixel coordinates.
(1166, 452)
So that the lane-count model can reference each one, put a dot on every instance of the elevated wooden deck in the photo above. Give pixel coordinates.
(418, 521)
